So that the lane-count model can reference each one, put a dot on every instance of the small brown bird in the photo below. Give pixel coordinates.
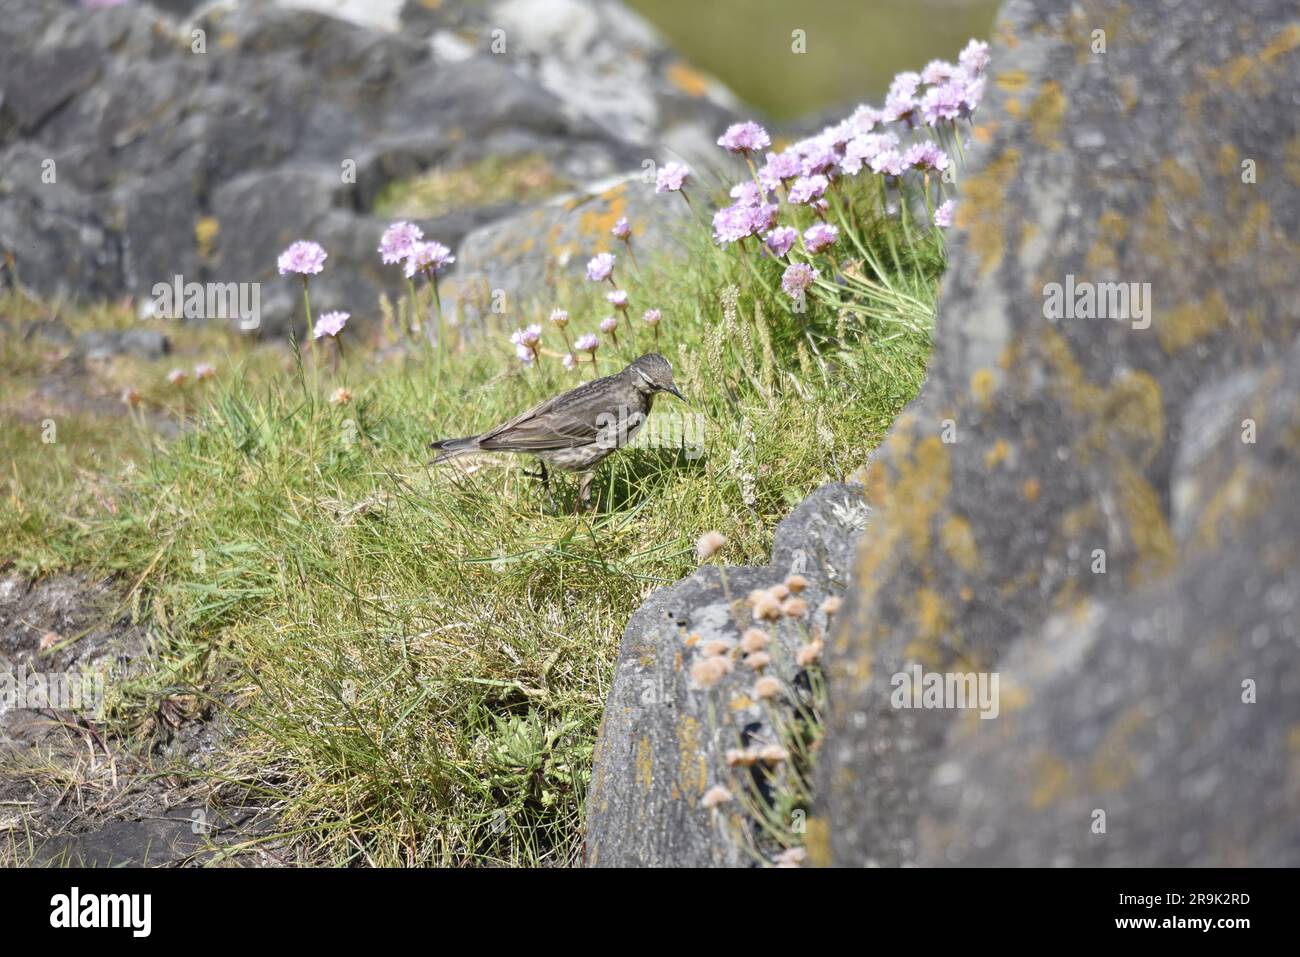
(574, 431)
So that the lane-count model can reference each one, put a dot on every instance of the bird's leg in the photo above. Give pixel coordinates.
(542, 474)
(584, 491)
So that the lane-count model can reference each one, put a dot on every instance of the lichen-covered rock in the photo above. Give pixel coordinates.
(521, 257)
(1054, 508)
(663, 739)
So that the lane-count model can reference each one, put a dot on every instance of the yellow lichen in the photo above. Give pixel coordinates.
(1191, 322)
(206, 231)
(1112, 228)
(1012, 81)
(958, 541)
(645, 763)
(817, 842)
(692, 769)
(983, 213)
(982, 383)
(999, 453)
(1051, 781)
(1046, 115)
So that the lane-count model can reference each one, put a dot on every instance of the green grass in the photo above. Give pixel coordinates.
(419, 655)
(491, 180)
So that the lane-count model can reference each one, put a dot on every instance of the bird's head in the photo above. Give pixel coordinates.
(651, 373)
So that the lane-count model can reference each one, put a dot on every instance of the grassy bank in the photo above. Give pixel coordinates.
(418, 655)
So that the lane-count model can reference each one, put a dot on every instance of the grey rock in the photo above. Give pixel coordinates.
(1167, 715)
(532, 253)
(37, 83)
(662, 742)
(59, 240)
(153, 141)
(1082, 438)
(1132, 742)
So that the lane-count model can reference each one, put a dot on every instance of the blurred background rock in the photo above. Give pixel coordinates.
(166, 161)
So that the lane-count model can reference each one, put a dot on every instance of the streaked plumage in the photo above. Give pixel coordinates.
(575, 430)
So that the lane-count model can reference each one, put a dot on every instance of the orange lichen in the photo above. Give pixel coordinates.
(687, 79)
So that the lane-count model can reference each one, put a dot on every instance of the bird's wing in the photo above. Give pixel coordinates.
(563, 422)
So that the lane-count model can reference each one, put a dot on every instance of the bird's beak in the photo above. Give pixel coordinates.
(673, 390)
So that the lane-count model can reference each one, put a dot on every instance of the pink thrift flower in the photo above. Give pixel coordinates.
(746, 194)
(395, 245)
(797, 279)
(943, 102)
(330, 324)
(865, 119)
(745, 137)
(818, 159)
(570, 361)
(820, 236)
(781, 239)
(303, 257)
(974, 58)
(671, 178)
(943, 215)
(926, 156)
(732, 224)
(607, 325)
(782, 167)
(651, 317)
(587, 343)
(617, 298)
(559, 318)
(427, 257)
(938, 71)
(526, 341)
(888, 162)
(600, 266)
(762, 218)
(971, 94)
(808, 188)
(621, 230)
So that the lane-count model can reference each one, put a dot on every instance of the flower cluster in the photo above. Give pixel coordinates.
(907, 139)
(601, 268)
(401, 243)
(922, 109)
(404, 243)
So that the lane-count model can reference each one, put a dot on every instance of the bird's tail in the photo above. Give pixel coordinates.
(450, 448)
